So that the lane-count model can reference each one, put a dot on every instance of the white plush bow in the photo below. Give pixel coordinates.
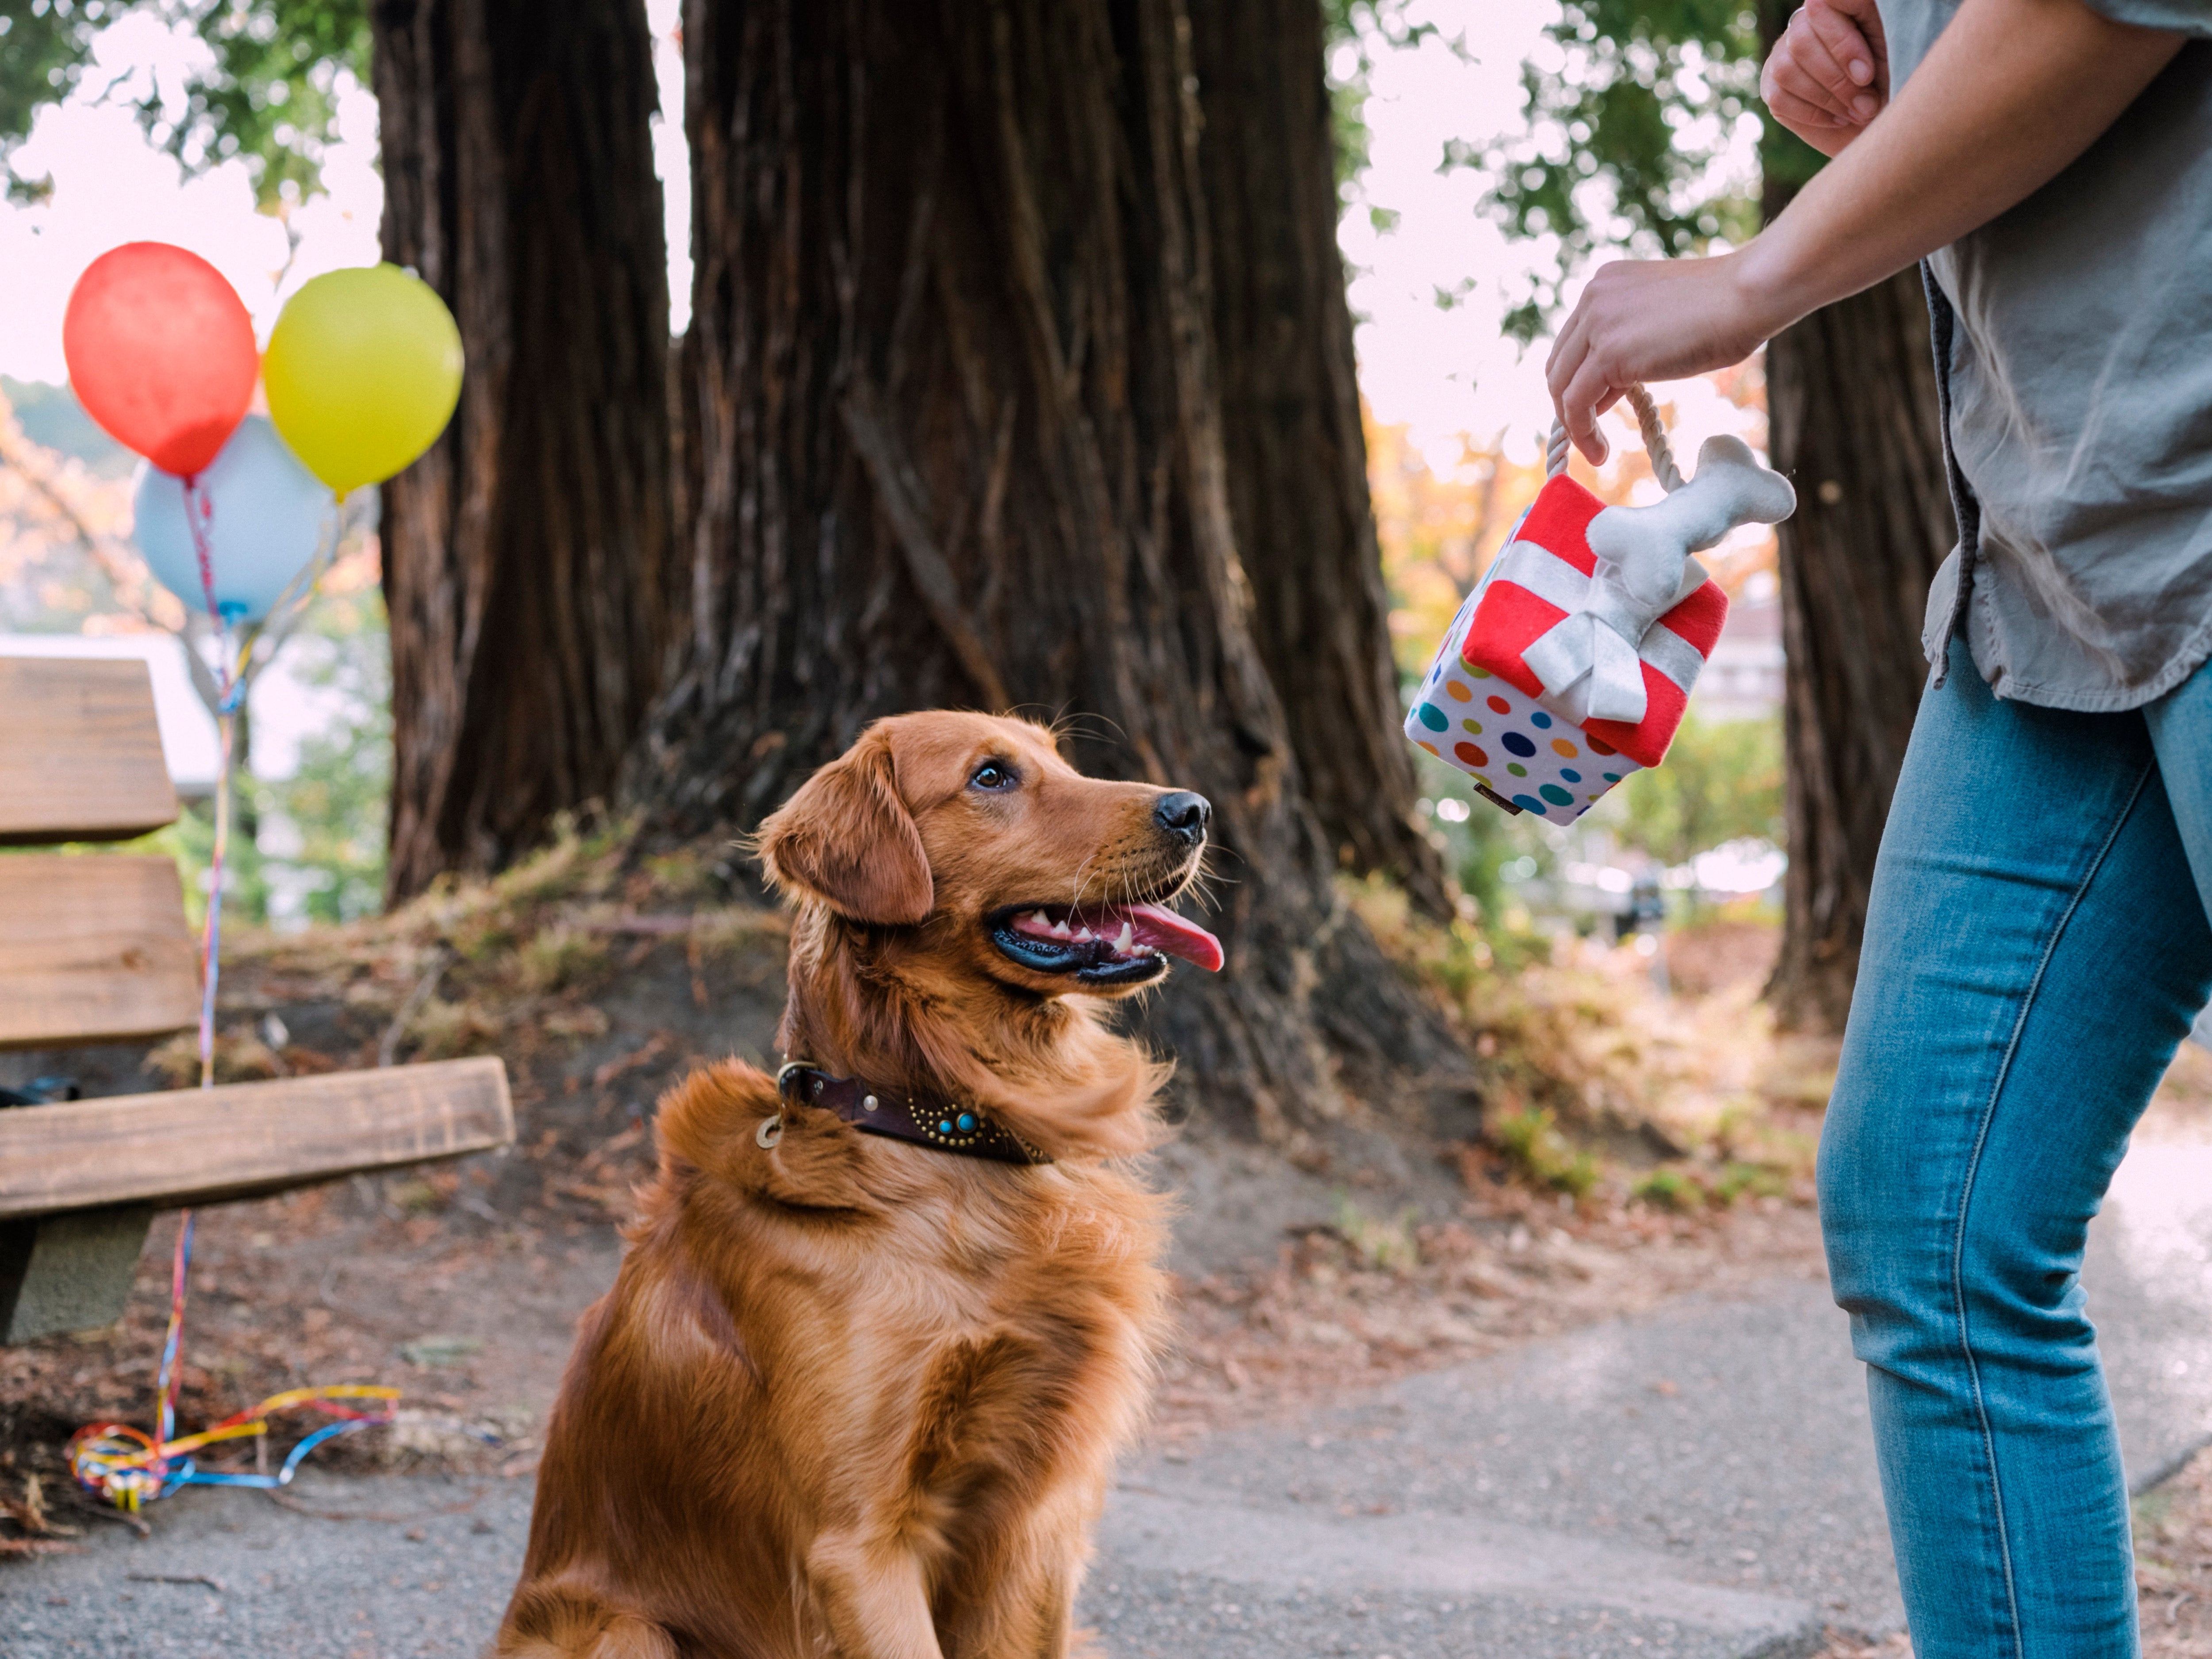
(1590, 661)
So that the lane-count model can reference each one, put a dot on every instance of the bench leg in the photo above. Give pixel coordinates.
(68, 1272)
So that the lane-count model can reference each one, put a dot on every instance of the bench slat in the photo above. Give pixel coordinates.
(93, 949)
(202, 1146)
(80, 751)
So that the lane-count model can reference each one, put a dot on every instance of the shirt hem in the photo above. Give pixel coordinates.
(2178, 667)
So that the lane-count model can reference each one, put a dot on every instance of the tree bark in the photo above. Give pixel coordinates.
(1295, 451)
(957, 439)
(528, 557)
(1850, 397)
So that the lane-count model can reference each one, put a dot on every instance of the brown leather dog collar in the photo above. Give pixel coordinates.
(964, 1130)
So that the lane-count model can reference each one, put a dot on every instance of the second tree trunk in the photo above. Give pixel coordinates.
(527, 557)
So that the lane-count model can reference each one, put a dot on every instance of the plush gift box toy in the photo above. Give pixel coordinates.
(1572, 663)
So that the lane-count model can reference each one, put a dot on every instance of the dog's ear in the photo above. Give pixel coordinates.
(847, 840)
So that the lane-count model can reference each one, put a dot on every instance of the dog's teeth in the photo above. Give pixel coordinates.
(1060, 930)
(1127, 941)
(1042, 921)
(1084, 936)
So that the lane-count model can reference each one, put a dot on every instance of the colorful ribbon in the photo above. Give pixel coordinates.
(126, 1466)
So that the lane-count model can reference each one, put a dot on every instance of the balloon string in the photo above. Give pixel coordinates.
(211, 934)
(118, 1462)
(199, 510)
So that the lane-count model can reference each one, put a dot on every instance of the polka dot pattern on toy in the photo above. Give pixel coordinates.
(1481, 724)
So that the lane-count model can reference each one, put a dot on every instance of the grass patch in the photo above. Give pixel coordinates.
(1531, 1137)
(1392, 1246)
(1590, 1071)
(1669, 1187)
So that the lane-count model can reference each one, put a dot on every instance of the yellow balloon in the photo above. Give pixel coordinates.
(362, 371)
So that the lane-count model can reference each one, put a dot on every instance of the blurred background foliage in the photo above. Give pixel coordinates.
(1721, 782)
(268, 97)
(1646, 135)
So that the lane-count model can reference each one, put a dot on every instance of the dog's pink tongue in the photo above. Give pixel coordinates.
(1164, 930)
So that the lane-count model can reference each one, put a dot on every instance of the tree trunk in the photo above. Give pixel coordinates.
(957, 440)
(1850, 397)
(527, 558)
(1296, 455)
(1853, 420)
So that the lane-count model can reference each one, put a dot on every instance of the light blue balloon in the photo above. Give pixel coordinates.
(267, 519)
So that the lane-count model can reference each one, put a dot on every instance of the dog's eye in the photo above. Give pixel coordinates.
(992, 776)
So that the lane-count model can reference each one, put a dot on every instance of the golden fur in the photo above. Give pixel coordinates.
(849, 1396)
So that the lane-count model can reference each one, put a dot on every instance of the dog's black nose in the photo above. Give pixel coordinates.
(1183, 815)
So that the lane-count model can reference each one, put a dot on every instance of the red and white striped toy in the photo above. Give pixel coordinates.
(1572, 663)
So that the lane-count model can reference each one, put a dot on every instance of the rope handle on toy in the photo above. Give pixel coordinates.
(1655, 442)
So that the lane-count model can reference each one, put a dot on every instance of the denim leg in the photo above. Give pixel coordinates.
(2034, 951)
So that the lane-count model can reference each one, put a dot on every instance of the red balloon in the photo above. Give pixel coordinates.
(161, 353)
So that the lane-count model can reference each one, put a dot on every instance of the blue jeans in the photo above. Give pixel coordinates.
(2036, 946)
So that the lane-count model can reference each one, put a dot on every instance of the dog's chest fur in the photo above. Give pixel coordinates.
(999, 1330)
(899, 1319)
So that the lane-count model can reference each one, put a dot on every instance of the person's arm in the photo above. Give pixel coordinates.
(2012, 91)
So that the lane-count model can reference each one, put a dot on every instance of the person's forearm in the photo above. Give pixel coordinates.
(2012, 91)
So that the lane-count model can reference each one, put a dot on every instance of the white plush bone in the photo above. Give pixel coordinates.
(1588, 661)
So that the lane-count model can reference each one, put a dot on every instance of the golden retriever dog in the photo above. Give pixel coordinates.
(885, 1320)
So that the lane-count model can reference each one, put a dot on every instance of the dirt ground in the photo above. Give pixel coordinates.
(1639, 1145)
(600, 983)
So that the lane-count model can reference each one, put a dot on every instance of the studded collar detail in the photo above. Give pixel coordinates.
(962, 1130)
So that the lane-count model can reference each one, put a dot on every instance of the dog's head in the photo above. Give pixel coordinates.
(1031, 873)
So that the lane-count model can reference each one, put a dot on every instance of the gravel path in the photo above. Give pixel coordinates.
(1695, 1482)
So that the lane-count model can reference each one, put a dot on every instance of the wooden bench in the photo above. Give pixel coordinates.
(95, 948)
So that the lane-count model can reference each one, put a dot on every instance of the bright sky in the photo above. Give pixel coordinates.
(1443, 372)
(111, 186)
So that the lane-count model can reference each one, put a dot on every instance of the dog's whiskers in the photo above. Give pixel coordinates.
(1081, 882)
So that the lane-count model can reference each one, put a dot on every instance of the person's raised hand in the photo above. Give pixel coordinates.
(1652, 320)
(1828, 75)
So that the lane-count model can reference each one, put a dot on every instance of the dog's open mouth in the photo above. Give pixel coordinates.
(1102, 944)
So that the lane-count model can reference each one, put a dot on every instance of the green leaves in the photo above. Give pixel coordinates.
(1632, 117)
(1350, 30)
(43, 47)
(270, 99)
(1722, 781)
